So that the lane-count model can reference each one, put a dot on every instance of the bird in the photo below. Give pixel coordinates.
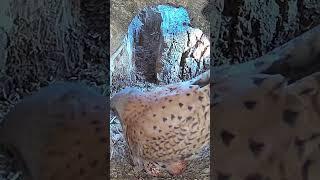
(267, 124)
(59, 133)
(166, 126)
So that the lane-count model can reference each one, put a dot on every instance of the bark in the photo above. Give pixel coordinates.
(242, 30)
(295, 59)
(3, 47)
(47, 41)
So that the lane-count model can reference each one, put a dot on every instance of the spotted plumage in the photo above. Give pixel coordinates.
(173, 121)
(270, 139)
(266, 115)
(59, 133)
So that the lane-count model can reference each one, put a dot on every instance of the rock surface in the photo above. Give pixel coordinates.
(122, 12)
(160, 47)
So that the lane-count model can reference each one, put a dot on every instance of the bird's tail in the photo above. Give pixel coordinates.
(201, 80)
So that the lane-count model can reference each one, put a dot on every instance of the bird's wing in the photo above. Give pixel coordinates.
(161, 122)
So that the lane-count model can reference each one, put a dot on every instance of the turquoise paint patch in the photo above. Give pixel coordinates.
(174, 19)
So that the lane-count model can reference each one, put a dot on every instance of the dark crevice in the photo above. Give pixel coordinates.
(183, 64)
(281, 21)
(232, 9)
(257, 34)
(300, 6)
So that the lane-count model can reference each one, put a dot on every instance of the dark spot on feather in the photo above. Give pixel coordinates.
(250, 104)
(80, 155)
(82, 171)
(255, 176)
(227, 137)
(93, 163)
(193, 132)
(95, 122)
(189, 118)
(102, 139)
(97, 129)
(68, 166)
(300, 146)
(305, 169)
(290, 117)
(255, 147)
(223, 176)
(306, 91)
(97, 107)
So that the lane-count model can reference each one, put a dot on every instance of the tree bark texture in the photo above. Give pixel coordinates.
(242, 30)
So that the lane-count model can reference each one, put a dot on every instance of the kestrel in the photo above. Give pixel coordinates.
(166, 126)
(59, 133)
